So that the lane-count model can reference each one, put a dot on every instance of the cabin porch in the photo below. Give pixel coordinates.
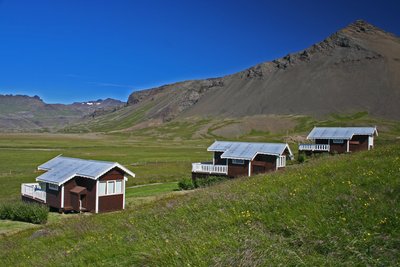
(314, 147)
(34, 191)
(209, 168)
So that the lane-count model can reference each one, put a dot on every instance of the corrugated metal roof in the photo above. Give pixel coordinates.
(219, 146)
(61, 169)
(247, 151)
(340, 132)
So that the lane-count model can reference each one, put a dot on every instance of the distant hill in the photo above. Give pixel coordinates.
(355, 69)
(26, 113)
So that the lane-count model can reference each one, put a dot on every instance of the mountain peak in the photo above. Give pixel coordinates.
(361, 25)
(363, 29)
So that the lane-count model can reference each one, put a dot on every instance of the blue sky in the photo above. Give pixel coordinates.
(71, 50)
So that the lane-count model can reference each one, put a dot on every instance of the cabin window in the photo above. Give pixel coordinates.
(102, 188)
(238, 161)
(281, 161)
(53, 187)
(338, 141)
(110, 187)
(118, 187)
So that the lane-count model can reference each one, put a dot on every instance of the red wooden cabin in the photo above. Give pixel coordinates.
(71, 184)
(234, 159)
(339, 139)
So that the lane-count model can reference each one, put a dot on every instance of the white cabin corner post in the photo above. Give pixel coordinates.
(348, 146)
(123, 190)
(214, 158)
(97, 197)
(370, 142)
(62, 196)
(249, 168)
(227, 167)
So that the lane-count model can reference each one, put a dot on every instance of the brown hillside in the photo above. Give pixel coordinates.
(355, 69)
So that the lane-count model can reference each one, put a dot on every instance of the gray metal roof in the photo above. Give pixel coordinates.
(61, 169)
(340, 132)
(220, 146)
(247, 151)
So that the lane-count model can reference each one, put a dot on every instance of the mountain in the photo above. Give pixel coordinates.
(355, 69)
(26, 113)
(98, 104)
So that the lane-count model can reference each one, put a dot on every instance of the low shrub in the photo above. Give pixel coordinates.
(301, 157)
(186, 184)
(24, 212)
(189, 184)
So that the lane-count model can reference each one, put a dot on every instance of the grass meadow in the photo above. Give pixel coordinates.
(330, 210)
(151, 161)
(335, 210)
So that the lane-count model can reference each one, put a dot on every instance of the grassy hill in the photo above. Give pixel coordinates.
(334, 210)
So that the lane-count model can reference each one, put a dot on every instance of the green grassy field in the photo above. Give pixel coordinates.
(11, 227)
(335, 210)
(151, 161)
(151, 189)
(339, 210)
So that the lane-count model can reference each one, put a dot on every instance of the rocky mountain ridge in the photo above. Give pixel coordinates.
(348, 68)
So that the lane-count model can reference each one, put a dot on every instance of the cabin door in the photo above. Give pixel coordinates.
(256, 169)
(82, 202)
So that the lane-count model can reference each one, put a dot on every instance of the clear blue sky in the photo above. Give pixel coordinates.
(75, 50)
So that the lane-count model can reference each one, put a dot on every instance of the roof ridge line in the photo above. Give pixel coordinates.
(91, 160)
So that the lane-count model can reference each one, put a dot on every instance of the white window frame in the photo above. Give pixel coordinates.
(121, 186)
(109, 182)
(238, 161)
(53, 187)
(115, 188)
(105, 189)
(281, 161)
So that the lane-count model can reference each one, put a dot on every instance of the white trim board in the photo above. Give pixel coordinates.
(97, 197)
(62, 196)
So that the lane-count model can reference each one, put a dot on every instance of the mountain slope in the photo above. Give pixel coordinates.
(355, 69)
(25, 113)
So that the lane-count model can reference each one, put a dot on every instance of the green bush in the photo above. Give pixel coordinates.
(24, 212)
(301, 157)
(186, 184)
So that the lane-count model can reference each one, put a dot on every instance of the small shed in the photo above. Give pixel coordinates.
(72, 184)
(234, 159)
(340, 139)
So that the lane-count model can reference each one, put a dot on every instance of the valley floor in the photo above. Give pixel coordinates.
(334, 210)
